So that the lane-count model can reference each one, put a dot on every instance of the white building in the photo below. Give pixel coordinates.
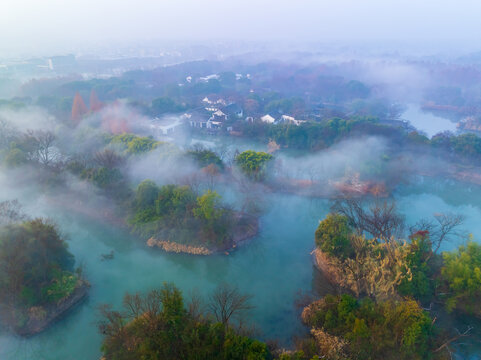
(290, 120)
(165, 126)
(268, 119)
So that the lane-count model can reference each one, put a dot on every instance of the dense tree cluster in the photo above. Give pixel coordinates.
(388, 276)
(346, 328)
(461, 274)
(159, 325)
(133, 144)
(178, 214)
(205, 157)
(36, 268)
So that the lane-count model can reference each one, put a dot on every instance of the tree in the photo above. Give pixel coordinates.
(208, 206)
(45, 153)
(157, 326)
(364, 329)
(444, 228)
(253, 163)
(462, 274)
(379, 218)
(11, 212)
(333, 236)
(35, 265)
(226, 302)
(147, 194)
(376, 269)
(79, 109)
(164, 105)
(108, 158)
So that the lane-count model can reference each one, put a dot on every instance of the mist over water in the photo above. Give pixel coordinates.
(366, 99)
(275, 267)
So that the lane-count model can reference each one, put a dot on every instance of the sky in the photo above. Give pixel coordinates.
(33, 24)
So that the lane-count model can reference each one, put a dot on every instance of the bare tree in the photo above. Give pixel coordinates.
(443, 228)
(379, 218)
(43, 147)
(226, 302)
(458, 336)
(11, 212)
(196, 305)
(108, 158)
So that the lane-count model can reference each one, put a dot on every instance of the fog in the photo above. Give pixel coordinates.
(54, 25)
(376, 100)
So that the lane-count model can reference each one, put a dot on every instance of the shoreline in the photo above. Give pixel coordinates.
(40, 318)
(241, 235)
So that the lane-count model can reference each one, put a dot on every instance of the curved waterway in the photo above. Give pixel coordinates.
(274, 267)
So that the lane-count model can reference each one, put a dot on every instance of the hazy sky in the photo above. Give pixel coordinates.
(26, 24)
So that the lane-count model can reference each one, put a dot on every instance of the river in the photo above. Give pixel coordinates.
(273, 267)
(426, 121)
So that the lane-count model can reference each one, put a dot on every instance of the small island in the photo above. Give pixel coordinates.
(177, 219)
(38, 282)
(389, 288)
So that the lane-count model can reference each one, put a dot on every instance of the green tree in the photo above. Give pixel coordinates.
(146, 194)
(368, 330)
(462, 274)
(158, 326)
(164, 105)
(253, 163)
(333, 236)
(208, 207)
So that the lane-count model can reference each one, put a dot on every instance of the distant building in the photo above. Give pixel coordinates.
(196, 120)
(214, 100)
(290, 120)
(268, 119)
(165, 126)
(209, 77)
(234, 110)
(198, 123)
(211, 124)
(219, 116)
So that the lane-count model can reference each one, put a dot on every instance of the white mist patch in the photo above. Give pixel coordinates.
(30, 118)
(349, 155)
(164, 165)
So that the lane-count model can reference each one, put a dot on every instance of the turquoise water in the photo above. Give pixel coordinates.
(273, 267)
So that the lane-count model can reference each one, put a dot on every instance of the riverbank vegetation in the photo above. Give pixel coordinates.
(177, 214)
(162, 325)
(358, 248)
(37, 274)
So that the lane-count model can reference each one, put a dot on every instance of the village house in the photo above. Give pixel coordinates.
(196, 120)
(234, 111)
(290, 120)
(215, 100)
(268, 119)
(218, 116)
